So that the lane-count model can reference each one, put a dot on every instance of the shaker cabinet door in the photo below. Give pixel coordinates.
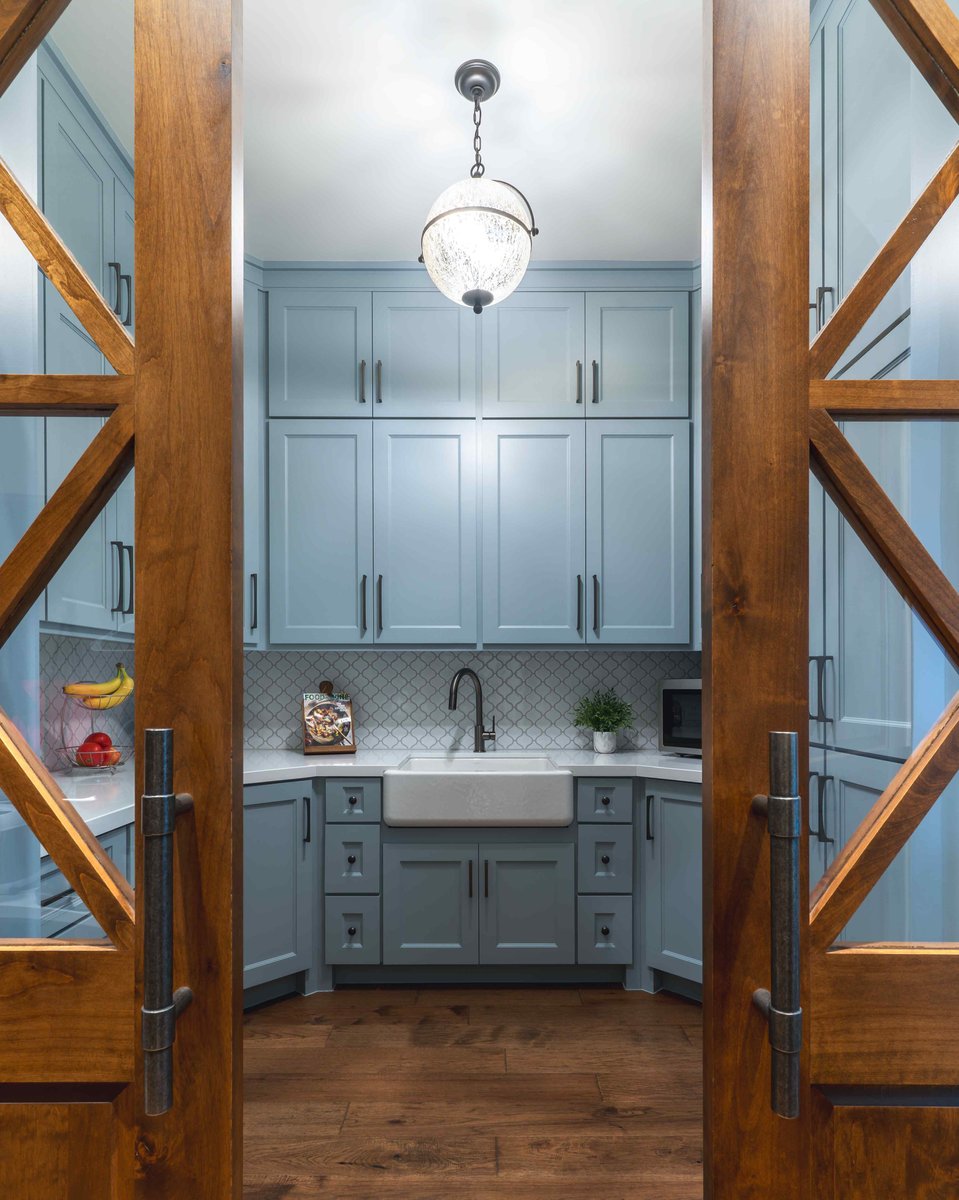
(527, 904)
(637, 347)
(320, 353)
(673, 886)
(425, 531)
(424, 356)
(637, 532)
(533, 355)
(534, 531)
(321, 531)
(430, 904)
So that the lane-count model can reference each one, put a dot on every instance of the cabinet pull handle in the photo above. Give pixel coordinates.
(121, 586)
(363, 607)
(486, 878)
(379, 604)
(649, 819)
(820, 714)
(579, 382)
(780, 1004)
(596, 605)
(820, 833)
(579, 604)
(128, 315)
(379, 381)
(115, 268)
(128, 611)
(362, 381)
(470, 879)
(821, 294)
(595, 381)
(254, 601)
(162, 1006)
(308, 819)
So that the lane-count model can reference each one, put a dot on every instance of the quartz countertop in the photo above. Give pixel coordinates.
(105, 801)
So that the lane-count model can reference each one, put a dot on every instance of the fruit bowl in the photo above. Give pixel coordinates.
(79, 758)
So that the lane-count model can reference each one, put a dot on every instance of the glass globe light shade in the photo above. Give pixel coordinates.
(477, 242)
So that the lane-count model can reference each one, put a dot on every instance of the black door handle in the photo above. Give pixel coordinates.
(121, 587)
(128, 315)
(595, 382)
(579, 382)
(596, 605)
(579, 604)
(128, 611)
(379, 604)
(379, 381)
(649, 819)
(254, 601)
(363, 607)
(362, 381)
(486, 878)
(470, 880)
(308, 818)
(117, 277)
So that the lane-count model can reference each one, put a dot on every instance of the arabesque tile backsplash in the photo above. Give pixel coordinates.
(400, 696)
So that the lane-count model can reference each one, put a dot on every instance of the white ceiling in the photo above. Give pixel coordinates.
(353, 126)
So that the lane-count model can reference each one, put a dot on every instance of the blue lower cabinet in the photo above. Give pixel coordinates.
(673, 878)
(605, 858)
(278, 879)
(352, 930)
(605, 929)
(354, 800)
(527, 908)
(604, 800)
(430, 904)
(352, 859)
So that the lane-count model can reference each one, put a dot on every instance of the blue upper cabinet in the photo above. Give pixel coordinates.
(637, 532)
(533, 352)
(637, 347)
(320, 353)
(254, 461)
(534, 531)
(424, 356)
(321, 531)
(425, 531)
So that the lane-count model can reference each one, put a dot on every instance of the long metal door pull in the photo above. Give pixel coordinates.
(162, 1005)
(780, 1003)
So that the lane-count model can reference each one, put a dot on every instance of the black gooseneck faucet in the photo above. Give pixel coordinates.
(480, 735)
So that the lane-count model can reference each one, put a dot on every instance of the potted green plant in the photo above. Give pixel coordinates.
(606, 714)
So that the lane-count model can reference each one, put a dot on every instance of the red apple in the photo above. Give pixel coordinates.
(103, 740)
(91, 754)
(111, 757)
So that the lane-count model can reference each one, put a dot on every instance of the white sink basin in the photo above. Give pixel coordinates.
(477, 789)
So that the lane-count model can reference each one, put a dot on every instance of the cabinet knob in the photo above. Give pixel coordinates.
(605, 860)
(351, 859)
(352, 931)
(605, 931)
(605, 800)
(354, 800)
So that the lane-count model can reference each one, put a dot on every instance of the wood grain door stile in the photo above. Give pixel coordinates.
(71, 1113)
(880, 1065)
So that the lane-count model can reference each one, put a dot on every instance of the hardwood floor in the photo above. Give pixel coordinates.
(535, 1094)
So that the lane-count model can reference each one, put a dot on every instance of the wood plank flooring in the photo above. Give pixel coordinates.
(429, 1094)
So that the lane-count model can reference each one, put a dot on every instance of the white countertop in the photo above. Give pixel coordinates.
(106, 801)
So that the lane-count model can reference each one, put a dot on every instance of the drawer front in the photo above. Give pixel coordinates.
(605, 859)
(352, 860)
(354, 800)
(604, 929)
(352, 930)
(604, 800)
(117, 844)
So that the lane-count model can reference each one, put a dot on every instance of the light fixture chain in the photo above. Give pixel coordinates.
(477, 170)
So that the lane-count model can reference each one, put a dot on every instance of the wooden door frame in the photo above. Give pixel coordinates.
(177, 398)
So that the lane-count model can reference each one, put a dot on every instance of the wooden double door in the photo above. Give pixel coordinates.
(872, 1037)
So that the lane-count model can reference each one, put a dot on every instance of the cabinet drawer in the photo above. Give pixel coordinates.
(604, 800)
(605, 859)
(352, 929)
(352, 859)
(604, 929)
(117, 845)
(353, 800)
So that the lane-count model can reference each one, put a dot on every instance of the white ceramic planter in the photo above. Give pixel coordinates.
(604, 743)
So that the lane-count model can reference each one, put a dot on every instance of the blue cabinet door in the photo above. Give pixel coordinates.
(637, 346)
(533, 355)
(320, 353)
(278, 880)
(673, 887)
(321, 531)
(534, 531)
(424, 541)
(254, 461)
(528, 904)
(637, 532)
(424, 352)
(430, 904)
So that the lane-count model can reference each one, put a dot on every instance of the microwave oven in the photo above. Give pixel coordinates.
(681, 717)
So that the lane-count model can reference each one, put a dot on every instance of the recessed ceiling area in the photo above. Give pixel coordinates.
(353, 126)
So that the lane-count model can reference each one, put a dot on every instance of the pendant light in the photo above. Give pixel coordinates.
(478, 236)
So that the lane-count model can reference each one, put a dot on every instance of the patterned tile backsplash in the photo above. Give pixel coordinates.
(400, 696)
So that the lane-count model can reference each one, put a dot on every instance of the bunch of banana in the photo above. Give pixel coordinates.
(108, 694)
